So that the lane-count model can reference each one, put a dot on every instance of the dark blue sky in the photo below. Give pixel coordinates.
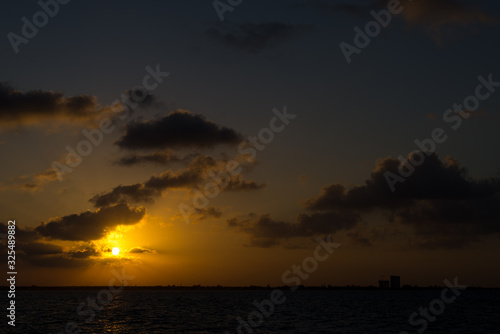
(262, 56)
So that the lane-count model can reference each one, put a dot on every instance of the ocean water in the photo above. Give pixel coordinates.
(303, 311)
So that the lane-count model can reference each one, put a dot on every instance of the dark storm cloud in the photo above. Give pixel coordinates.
(266, 232)
(90, 225)
(439, 200)
(433, 179)
(253, 37)
(18, 107)
(176, 130)
(444, 206)
(452, 223)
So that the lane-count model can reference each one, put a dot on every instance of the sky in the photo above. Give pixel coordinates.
(214, 143)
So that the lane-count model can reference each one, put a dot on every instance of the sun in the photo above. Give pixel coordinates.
(116, 251)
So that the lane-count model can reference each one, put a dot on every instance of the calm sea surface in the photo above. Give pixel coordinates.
(340, 311)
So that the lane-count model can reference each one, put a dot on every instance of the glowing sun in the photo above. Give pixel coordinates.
(115, 251)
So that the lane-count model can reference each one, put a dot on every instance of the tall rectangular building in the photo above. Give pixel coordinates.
(395, 282)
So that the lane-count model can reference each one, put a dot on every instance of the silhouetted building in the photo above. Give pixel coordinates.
(395, 282)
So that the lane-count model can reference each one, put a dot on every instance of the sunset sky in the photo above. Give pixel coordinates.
(326, 135)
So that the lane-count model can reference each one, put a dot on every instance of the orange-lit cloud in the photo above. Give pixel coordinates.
(199, 169)
(37, 107)
(31, 183)
(90, 225)
(442, 19)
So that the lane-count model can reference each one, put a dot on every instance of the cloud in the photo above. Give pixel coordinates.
(31, 183)
(452, 223)
(198, 215)
(433, 179)
(32, 107)
(158, 158)
(150, 101)
(208, 212)
(140, 250)
(439, 12)
(49, 108)
(147, 191)
(238, 183)
(266, 232)
(439, 201)
(24, 234)
(445, 21)
(31, 249)
(365, 236)
(90, 225)
(200, 169)
(357, 238)
(58, 261)
(85, 253)
(40, 248)
(179, 129)
(253, 38)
